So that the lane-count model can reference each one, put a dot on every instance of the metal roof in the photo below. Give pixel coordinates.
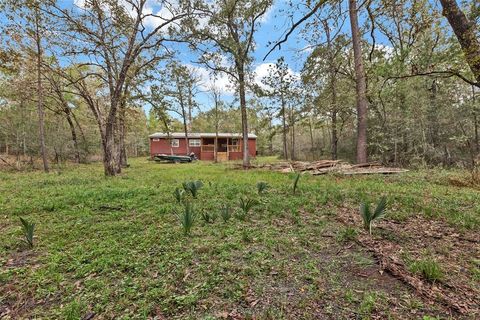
(199, 135)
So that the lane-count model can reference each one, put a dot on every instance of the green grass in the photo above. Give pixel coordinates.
(116, 248)
(428, 268)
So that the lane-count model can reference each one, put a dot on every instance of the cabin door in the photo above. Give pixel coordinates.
(222, 149)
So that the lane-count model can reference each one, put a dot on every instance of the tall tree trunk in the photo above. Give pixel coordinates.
(74, 135)
(110, 163)
(466, 33)
(190, 108)
(361, 85)
(121, 134)
(284, 127)
(292, 133)
(215, 154)
(40, 106)
(475, 122)
(312, 141)
(243, 110)
(333, 88)
(185, 129)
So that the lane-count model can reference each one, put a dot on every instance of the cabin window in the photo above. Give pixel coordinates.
(155, 139)
(235, 142)
(194, 142)
(175, 143)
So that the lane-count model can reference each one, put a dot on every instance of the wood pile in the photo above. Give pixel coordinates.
(328, 166)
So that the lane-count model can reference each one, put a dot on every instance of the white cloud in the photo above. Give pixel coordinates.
(386, 49)
(152, 14)
(222, 81)
(268, 14)
(262, 70)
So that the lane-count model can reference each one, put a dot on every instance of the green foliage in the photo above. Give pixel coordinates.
(226, 212)
(179, 194)
(295, 183)
(346, 234)
(153, 244)
(28, 229)
(368, 303)
(246, 205)
(429, 268)
(209, 217)
(193, 187)
(246, 236)
(262, 187)
(187, 218)
(368, 216)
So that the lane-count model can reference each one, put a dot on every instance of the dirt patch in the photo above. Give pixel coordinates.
(453, 250)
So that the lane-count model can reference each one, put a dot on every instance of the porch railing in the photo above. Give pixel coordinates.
(234, 148)
(208, 148)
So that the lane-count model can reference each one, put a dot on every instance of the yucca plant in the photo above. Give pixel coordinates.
(178, 194)
(295, 183)
(246, 204)
(368, 216)
(187, 218)
(28, 228)
(193, 187)
(262, 187)
(226, 212)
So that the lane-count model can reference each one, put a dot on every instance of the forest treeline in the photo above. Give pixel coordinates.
(390, 81)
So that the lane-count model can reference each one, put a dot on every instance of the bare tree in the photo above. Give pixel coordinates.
(40, 98)
(114, 36)
(228, 28)
(360, 83)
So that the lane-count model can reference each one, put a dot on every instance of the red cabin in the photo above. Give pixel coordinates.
(229, 145)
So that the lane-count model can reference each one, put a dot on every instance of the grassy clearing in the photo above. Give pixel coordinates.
(116, 247)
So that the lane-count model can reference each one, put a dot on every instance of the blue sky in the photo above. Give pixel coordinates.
(273, 26)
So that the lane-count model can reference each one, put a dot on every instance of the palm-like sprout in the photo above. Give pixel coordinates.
(368, 216)
(209, 217)
(261, 187)
(187, 218)
(28, 228)
(193, 187)
(178, 194)
(295, 183)
(225, 212)
(246, 204)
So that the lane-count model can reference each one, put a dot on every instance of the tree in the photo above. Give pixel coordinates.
(360, 83)
(32, 23)
(228, 27)
(179, 86)
(279, 88)
(217, 102)
(114, 36)
(467, 34)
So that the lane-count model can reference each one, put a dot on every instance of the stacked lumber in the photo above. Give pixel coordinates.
(328, 166)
